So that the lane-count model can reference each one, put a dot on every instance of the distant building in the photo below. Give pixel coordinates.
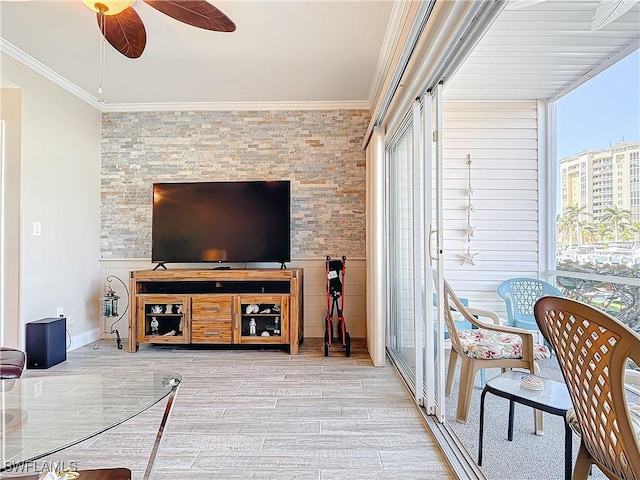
(598, 179)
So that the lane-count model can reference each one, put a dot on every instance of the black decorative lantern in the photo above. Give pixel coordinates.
(109, 309)
(109, 303)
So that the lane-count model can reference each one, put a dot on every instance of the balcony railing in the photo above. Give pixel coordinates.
(612, 288)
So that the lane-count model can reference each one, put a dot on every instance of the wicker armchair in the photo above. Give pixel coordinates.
(593, 349)
(490, 345)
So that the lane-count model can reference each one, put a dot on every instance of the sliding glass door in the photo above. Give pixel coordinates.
(434, 339)
(415, 338)
(401, 339)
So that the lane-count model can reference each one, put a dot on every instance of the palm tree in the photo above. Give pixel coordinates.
(630, 234)
(590, 232)
(618, 218)
(574, 217)
(635, 231)
(604, 232)
(565, 229)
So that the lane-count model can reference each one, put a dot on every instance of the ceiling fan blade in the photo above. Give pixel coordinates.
(124, 31)
(608, 11)
(197, 13)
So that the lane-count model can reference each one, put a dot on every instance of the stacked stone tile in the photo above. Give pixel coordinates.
(319, 151)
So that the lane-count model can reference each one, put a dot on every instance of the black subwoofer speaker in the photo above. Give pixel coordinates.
(46, 342)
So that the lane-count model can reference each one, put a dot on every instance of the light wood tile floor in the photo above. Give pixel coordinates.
(263, 414)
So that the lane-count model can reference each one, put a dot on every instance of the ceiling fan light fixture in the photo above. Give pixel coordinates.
(122, 27)
(108, 7)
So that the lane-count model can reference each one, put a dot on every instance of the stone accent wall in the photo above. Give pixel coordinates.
(319, 151)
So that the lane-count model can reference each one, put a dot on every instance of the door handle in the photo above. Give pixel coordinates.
(430, 246)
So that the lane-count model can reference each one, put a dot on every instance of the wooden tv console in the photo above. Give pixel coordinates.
(216, 307)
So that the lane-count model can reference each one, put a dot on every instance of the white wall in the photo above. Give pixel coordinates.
(60, 188)
(502, 139)
(10, 115)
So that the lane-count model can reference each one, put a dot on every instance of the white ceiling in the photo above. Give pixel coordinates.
(308, 52)
(542, 51)
(281, 51)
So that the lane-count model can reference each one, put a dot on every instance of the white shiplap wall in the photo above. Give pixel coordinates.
(501, 138)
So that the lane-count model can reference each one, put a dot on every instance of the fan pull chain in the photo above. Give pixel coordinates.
(103, 53)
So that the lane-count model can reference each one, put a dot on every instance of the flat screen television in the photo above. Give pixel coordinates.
(236, 222)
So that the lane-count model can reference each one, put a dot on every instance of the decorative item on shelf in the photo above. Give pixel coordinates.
(252, 309)
(157, 309)
(266, 310)
(265, 334)
(109, 309)
(154, 326)
(276, 308)
(469, 230)
(252, 327)
(177, 308)
(276, 329)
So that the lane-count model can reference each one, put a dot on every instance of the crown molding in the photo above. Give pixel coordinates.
(46, 72)
(235, 106)
(38, 67)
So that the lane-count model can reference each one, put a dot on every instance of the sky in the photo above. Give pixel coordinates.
(603, 111)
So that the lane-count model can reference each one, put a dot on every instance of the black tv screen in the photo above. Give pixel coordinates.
(245, 221)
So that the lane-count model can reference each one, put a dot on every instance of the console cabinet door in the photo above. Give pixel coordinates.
(261, 319)
(163, 319)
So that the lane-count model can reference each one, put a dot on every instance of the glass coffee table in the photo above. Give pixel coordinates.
(45, 414)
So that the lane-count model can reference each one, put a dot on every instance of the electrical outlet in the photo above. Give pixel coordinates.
(37, 389)
(60, 312)
(37, 229)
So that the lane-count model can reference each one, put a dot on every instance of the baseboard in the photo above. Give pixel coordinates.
(82, 339)
(317, 343)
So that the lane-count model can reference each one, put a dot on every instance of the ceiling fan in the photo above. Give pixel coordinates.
(607, 11)
(122, 27)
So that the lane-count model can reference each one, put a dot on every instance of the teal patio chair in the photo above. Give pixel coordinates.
(520, 295)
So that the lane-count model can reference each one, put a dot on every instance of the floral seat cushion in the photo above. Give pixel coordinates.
(489, 345)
